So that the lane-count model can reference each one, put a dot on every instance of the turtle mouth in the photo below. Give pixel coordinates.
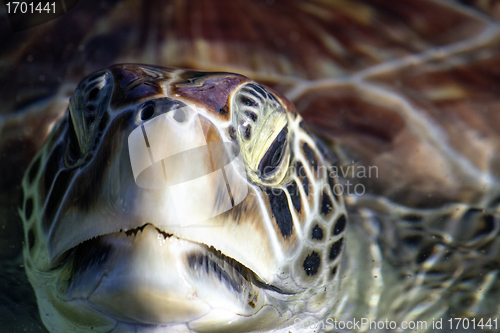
(95, 253)
(228, 270)
(123, 274)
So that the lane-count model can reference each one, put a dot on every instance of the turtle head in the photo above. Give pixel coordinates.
(179, 198)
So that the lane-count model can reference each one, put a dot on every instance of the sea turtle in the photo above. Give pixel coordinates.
(402, 96)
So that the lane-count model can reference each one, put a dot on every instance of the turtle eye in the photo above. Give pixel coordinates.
(274, 155)
(147, 111)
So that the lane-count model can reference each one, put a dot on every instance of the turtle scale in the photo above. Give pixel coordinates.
(442, 163)
(421, 48)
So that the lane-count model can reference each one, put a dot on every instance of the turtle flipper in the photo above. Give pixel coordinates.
(434, 255)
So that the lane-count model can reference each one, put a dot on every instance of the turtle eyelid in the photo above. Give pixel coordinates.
(274, 155)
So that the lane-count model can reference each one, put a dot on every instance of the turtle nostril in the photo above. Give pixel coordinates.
(147, 112)
(179, 115)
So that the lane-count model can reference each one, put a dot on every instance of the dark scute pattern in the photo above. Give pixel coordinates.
(305, 185)
(271, 96)
(253, 93)
(293, 190)
(301, 172)
(486, 225)
(28, 210)
(334, 270)
(31, 239)
(412, 218)
(332, 183)
(247, 132)
(280, 210)
(56, 195)
(257, 88)
(33, 170)
(247, 101)
(252, 115)
(310, 156)
(335, 249)
(299, 168)
(303, 125)
(471, 214)
(317, 233)
(326, 204)
(424, 254)
(232, 133)
(311, 263)
(413, 241)
(339, 225)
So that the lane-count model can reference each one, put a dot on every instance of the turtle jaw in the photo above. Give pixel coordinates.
(147, 277)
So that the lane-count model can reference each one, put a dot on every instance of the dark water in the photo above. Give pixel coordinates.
(51, 58)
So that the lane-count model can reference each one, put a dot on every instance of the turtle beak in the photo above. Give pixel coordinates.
(145, 279)
(173, 174)
(174, 171)
(151, 278)
(182, 153)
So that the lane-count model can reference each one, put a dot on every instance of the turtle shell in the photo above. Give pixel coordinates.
(409, 87)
